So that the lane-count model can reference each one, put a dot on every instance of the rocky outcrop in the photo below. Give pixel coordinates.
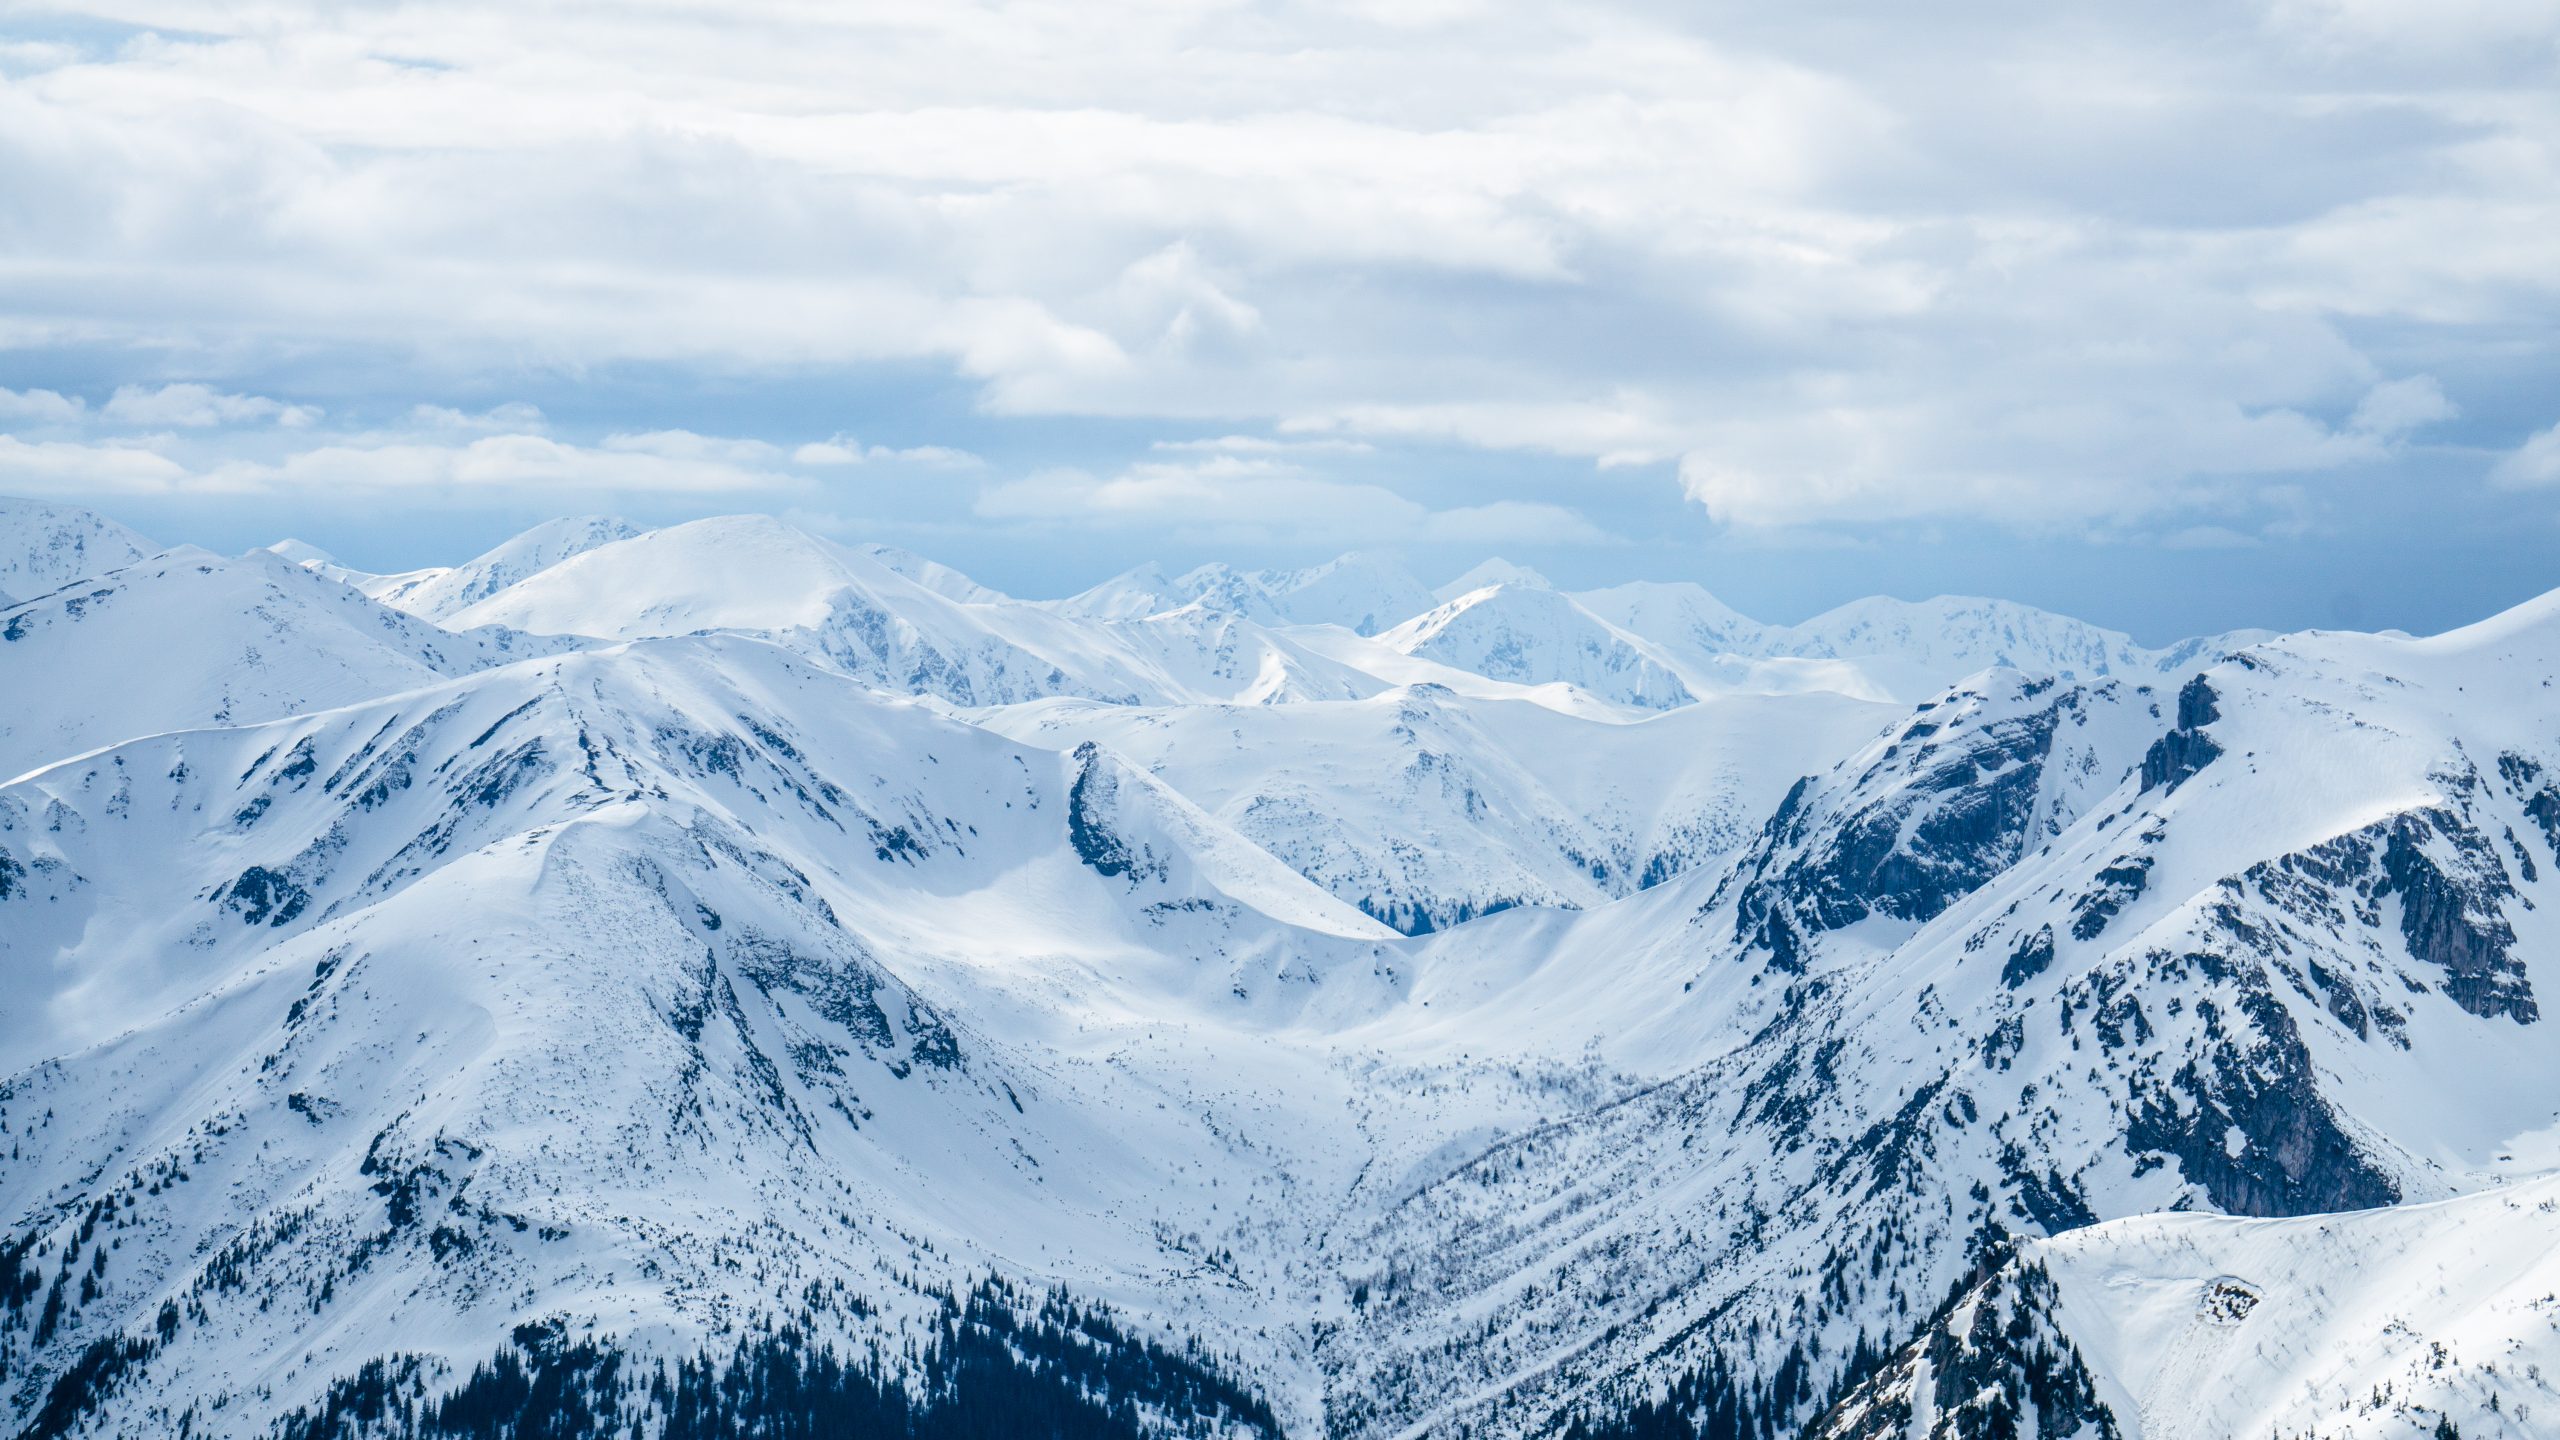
(2186, 749)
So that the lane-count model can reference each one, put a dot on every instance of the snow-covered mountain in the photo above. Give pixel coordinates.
(1496, 571)
(1426, 808)
(45, 547)
(1362, 593)
(1884, 648)
(1531, 635)
(447, 593)
(751, 575)
(187, 639)
(800, 983)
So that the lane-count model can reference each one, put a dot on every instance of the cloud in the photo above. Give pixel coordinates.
(75, 470)
(515, 416)
(41, 406)
(845, 450)
(1265, 445)
(684, 446)
(1244, 499)
(496, 468)
(2532, 465)
(1791, 261)
(2397, 407)
(197, 406)
(508, 465)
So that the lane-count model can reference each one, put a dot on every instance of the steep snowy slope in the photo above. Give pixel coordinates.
(2372, 1324)
(939, 578)
(570, 994)
(1983, 979)
(187, 638)
(1496, 571)
(441, 594)
(1425, 808)
(44, 547)
(1363, 593)
(1531, 636)
(1130, 595)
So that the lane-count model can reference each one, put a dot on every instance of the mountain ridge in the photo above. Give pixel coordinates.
(1188, 1023)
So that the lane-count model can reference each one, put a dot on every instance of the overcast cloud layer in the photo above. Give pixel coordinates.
(2183, 315)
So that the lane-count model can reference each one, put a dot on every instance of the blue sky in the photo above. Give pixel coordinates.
(2178, 317)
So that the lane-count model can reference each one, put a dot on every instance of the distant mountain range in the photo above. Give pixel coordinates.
(716, 980)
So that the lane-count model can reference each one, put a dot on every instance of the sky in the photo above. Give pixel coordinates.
(2178, 317)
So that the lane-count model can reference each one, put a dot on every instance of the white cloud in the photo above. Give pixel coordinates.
(73, 469)
(493, 467)
(845, 450)
(41, 406)
(515, 416)
(2532, 465)
(686, 446)
(1266, 445)
(1795, 259)
(1241, 499)
(198, 406)
(2397, 407)
(505, 465)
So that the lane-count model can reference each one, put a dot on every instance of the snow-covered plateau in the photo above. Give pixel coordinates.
(717, 980)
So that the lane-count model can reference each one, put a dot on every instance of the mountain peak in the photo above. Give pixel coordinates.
(1496, 571)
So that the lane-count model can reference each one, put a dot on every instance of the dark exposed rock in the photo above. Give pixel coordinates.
(2254, 1084)
(2032, 958)
(1940, 813)
(2186, 749)
(2450, 917)
(1089, 826)
(2118, 885)
(261, 896)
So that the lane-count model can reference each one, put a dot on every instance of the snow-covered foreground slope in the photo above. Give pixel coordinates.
(2376, 1323)
(405, 1033)
(570, 988)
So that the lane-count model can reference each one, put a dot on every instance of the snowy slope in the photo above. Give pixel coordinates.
(441, 594)
(1884, 648)
(44, 547)
(2151, 1040)
(1530, 635)
(2371, 1324)
(1982, 978)
(364, 582)
(1426, 808)
(1361, 592)
(1496, 571)
(555, 990)
(187, 638)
